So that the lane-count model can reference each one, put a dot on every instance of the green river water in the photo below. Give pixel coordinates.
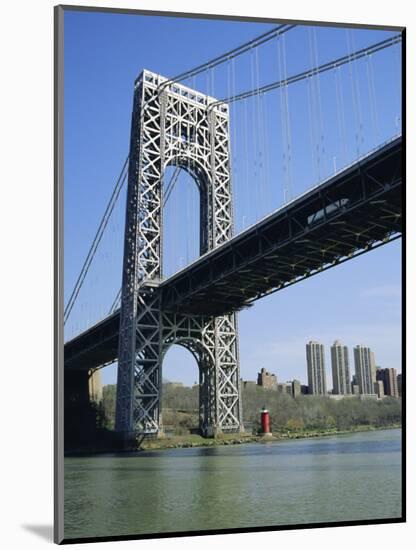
(337, 478)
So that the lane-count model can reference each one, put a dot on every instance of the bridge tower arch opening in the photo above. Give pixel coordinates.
(181, 218)
(204, 363)
(173, 125)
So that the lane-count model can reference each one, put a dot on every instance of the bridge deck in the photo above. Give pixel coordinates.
(350, 213)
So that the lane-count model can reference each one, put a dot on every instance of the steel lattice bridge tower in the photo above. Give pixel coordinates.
(174, 125)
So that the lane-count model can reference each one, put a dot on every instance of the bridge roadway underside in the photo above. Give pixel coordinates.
(353, 212)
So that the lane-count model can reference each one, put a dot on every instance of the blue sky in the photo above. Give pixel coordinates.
(358, 302)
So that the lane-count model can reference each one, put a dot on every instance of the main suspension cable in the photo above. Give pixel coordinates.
(314, 71)
(239, 50)
(96, 241)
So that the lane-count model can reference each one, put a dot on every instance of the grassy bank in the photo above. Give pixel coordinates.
(194, 440)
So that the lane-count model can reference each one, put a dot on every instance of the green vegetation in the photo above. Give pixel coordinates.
(108, 404)
(180, 397)
(303, 415)
(307, 412)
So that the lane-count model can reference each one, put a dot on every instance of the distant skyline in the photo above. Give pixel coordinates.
(357, 302)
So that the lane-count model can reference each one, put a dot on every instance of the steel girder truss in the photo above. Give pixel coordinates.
(174, 125)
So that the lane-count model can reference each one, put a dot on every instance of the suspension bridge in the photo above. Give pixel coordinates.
(280, 196)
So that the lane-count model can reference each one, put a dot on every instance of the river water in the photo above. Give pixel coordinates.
(337, 478)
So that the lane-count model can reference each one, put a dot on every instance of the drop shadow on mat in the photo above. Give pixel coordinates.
(43, 531)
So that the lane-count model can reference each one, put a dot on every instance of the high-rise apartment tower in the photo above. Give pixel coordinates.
(364, 369)
(316, 368)
(340, 369)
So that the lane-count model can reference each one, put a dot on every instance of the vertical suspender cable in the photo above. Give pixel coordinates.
(398, 117)
(370, 99)
(288, 125)
(311, 127)
(373, 84)
(355, 99)
(357, 86)
(254, 138)
(247, 193)
(259, 130)
(314, 111)
(341, 113)
(284, 114)
(207, 80)
(282, 123)
(319, 99)
(234, 166)
(268, 198)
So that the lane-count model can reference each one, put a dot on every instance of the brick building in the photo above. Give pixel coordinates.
(267, 380)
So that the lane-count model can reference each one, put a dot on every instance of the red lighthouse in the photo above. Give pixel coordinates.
(265, 421)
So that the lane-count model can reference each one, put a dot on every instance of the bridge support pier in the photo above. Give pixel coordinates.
(80, 413)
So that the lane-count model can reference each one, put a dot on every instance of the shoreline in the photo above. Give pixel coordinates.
(193, 440)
